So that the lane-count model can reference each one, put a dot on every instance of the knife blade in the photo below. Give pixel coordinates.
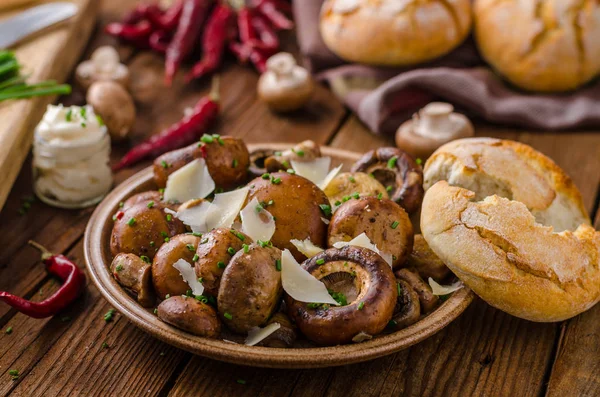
(18, 27)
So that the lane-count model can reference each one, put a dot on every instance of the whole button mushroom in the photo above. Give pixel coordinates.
(103, 65)
(433, 126)
(285, 86)
(115, 105)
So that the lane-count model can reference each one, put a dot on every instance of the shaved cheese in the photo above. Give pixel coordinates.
(362, 240)
(306, 247)
(325, 220)
(439, 290)
(189, 182)
(194, 217)
(225, 208)
(327, 180)
(315, 170)
(300, 284)
(257, 334)
(257, 222)
(189, 276)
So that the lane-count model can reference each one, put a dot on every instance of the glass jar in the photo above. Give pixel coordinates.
(70, 166)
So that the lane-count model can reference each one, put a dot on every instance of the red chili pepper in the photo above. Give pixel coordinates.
(193, 14)
(245, 28)
(137, 34)
(243, 53)
(269, 9)
(136, 15)
(159, 41)
(218, 31)
(269, 42)
(165, 20)
(182, 133)
(119, 215)
(73, 284)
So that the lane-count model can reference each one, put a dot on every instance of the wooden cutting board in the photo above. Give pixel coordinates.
(51, 55)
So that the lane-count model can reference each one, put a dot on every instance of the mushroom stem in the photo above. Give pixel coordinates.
(434, 121)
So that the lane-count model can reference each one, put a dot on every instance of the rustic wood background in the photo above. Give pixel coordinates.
(484, 352)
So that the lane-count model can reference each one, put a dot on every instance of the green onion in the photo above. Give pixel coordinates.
(145, 259)
(266, 176)
(164, 164)
(227, 316)
(380, 196)
(231, 251)
(419, 161)
(221, 265)
(278, 264)
(190, 247)
(392, 162)
(150, 204)
(389, 188)
(351, 178)
(361, 305)
(195, 258)
(63, 89)
(207, 138)
(169, 217)
(238, 234)
(395, 224)
(119, 267)
(131, 222)
(275, 181)
(320, 261)
(241, 381)
(399, 289)
(234, 163)
(246, 248)
(326, 209)
(108, 317)
(8, 331)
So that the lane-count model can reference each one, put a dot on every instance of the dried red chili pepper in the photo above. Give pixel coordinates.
(165, 20)
(269, 9)
(136, 15)
(159, 41)
(245, 53)
(182, 133)
(219, 30)
(73, 284)
(268, 40)
(137, 34)
(245, 28)
(193, 14)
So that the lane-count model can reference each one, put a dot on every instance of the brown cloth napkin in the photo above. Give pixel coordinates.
(385, 97)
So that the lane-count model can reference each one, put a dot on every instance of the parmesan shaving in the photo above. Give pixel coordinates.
(306, 247)
(362, 240)
(189, 276)
(225, 208)
(315, 170)
(325, 220)
(332, 174)
(257, 334)
(194, 217)
(257, 222)
(441, 290)
(300, 284)
(191, 181)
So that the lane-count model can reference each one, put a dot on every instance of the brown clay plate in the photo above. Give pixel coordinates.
(304, 355)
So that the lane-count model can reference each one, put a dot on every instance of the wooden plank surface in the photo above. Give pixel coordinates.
(485, 352)
(48, 56)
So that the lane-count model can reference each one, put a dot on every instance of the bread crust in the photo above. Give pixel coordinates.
(394, 32)
(513, 170)
(540, 45)
(515, 264)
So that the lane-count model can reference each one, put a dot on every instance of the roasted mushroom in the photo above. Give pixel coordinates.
(435, 125)
(141, 229)
(226, 157)
(257, 161)
(427, 299)
(114, 105)
(347, 184)
(398, 172)
(285, 86)
(214, 254)
(104, 65)
(250, 288)
(425, 261)
(282, 161)
(385, 223)
(284, 337)
(408, 308)
(166, 279)
(295, 203)
(134, 274)
(191, 315)
(358, 277)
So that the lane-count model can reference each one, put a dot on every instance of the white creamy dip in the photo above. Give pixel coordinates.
(70, 157)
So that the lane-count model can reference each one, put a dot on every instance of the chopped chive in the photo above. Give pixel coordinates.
(395, 224)
(418, 161)
(131, 222)
(356, 195)
(121, 204)
(108, 317)
(164, 164)
(392, 162)
(259, 208)
(246, 248)
(326, 209)
(167, 296)
(197, 234)
(169, 217)
(207, 138)
(351, 178)
(234, 163)
(266, 176)
(150, 204)
(231, 251)
(337, 203)
(361, 305)
(119, 267)
(399, 289)
(238, 234)
(8, 330)
(291, 171)
(195, 258)
(241, 381)
(204, 241)
(99, 120)
(190, 247)
(380, 196)
(275, 181)
(83, 125)
(155, 311)
(221, 265)
(83, 113)
(145, 259)
(164, 234)
(389, 188)
(167, 239)
(227, 316)
(320, 261)
(299, 152)
(278, 264)
(69, 115)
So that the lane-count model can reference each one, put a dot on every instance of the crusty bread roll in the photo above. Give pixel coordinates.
(513, 170)
(540, 45)
(394, 32)
(494, 228)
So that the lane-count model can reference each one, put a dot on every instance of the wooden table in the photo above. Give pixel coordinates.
(485, 352)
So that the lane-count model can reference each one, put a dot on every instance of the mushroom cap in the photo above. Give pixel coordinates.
(115, 105)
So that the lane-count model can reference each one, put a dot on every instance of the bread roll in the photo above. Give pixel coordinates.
(394, 32)
(540, 45)
(513, 228)
(513, 170)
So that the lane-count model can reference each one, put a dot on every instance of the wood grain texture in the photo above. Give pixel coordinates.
(48, 56)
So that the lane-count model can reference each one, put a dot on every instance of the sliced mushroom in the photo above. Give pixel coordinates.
(282, 161)
(191, 315)
(134, 274)
(398, 172)
(368, 287)
(427, 299)
(435, 125)
(103, 65)
(348, 184)
(425, 261)
(285, 336)
(408, 308)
